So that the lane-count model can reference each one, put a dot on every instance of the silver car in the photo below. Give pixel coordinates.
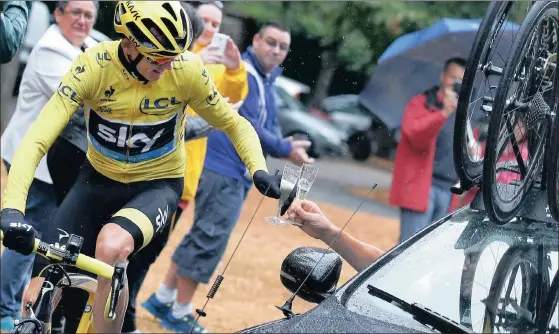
(296, 121)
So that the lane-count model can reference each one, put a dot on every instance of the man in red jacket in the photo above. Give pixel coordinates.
(424, 167)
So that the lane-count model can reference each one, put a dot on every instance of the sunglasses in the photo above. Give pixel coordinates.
(159, 62)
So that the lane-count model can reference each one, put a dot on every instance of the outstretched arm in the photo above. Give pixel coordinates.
(314, 223)
(357, 253)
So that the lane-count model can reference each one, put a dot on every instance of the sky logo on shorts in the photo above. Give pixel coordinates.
(142, 142)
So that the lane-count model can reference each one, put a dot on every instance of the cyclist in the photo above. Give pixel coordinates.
(134, 92)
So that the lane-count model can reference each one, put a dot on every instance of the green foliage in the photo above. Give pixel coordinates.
(358, 31)
(105, 18)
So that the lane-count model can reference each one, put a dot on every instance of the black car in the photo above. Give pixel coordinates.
(463, 273)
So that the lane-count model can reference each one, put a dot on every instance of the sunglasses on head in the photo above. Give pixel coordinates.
(160, 62)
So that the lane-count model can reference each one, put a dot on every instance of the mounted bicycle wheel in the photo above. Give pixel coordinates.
(516, 311)
(468, 167)
(519, 120)
(550, 309)
(553, 171)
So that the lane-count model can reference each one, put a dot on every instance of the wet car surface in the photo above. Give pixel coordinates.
(461, 274)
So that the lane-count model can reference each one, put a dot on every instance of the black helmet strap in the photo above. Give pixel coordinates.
(131, 65)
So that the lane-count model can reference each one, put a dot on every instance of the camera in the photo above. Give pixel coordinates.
(457, 86)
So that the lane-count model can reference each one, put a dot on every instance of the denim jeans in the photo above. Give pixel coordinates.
(412, 222)
(16, 268)
(219, 201)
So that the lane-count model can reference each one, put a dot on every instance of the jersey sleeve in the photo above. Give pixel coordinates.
(206, 100)
(234, 84)
(71, 92)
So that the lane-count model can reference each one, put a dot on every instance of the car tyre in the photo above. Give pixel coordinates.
(359, 146)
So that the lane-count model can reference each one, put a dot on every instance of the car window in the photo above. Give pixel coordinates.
(279, 101)
(342, 103)
(465, 267)
(289, 101)
(349, 109)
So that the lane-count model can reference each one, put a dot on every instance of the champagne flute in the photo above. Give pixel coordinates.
(289, 179)
(308, 175)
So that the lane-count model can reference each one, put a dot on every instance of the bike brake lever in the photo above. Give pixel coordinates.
(117, 283)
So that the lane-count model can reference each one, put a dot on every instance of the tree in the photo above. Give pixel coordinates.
(353, 34)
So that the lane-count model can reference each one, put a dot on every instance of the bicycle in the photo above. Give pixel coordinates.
(530, 69)
(484, 60)
(519, 296)
(480, 61)
(524, 311)
(38, 316)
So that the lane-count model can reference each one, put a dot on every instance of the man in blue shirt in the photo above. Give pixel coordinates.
(225, 183)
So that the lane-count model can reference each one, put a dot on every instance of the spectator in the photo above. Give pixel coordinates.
(424, 165)
(48, 63)
(13, 26)
(224, 184)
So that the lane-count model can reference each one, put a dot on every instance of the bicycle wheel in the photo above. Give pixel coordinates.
(499, 311)
(469, 168)
(553, 171)
(550, 307)
(522, 116)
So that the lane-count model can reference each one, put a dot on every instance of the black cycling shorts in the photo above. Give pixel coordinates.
(142, 208)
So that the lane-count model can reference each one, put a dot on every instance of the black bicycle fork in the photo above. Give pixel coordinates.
(40, 314)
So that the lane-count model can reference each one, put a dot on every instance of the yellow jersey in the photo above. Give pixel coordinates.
(230, 83)
(134, 129)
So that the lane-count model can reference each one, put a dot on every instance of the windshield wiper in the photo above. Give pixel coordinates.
(421, 313)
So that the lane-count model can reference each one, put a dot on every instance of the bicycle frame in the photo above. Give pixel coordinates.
(473, 242)
(45, 306)
(51, 292)
(90, 285)
(41, 312)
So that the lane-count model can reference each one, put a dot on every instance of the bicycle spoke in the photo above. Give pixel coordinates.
(516, 150)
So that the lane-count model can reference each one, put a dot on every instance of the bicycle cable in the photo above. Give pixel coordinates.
(60, 266)
(286, 308)
(220, 277)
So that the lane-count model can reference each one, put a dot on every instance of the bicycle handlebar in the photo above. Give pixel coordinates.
(78, 260)
(72, 256)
